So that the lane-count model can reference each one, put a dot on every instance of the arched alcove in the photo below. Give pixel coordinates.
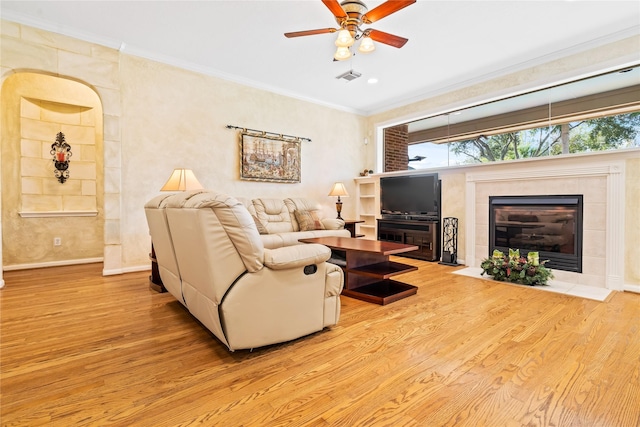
(36, 206)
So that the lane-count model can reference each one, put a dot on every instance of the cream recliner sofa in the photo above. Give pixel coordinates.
(278, 225)
(246, 295)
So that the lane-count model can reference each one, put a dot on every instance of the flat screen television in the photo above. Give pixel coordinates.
(410, 196)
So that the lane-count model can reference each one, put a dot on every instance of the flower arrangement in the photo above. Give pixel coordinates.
(516, 269)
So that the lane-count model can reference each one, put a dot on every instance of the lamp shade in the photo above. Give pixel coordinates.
(342, 53)
(366, 45)
(345, 39)
(339, 190)
(182, 180)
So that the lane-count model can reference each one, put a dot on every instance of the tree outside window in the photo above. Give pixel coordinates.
(605, 133)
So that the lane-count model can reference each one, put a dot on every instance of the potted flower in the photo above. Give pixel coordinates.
(516, 269)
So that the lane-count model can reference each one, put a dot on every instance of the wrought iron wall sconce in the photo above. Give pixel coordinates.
(61, 152)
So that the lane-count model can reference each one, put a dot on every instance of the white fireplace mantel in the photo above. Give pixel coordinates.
(612, 170)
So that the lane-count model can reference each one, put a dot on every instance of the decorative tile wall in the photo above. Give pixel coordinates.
(40, 121)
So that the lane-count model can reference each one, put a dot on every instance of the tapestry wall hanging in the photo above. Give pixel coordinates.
(269, 158)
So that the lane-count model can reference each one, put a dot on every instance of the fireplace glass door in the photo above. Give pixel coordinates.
(551, 225)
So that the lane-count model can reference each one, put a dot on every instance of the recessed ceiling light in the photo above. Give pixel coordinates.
(372, 81)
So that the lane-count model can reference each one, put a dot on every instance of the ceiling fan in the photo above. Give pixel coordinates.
(350, 16)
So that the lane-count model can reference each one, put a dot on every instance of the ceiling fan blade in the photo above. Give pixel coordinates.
(310, 32)
(335, 8)
(385, 9)
(386, 38)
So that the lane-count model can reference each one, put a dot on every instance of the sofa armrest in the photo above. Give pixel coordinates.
(334, 281)
(295, 256)
(332, 223)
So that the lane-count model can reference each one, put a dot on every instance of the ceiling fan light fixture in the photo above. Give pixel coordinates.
(342, 53)
(366, 45)
(350, 15)
(344, 39)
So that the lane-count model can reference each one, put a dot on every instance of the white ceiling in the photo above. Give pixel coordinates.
(451, 43)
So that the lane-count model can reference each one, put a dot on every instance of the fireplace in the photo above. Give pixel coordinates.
(550, 225)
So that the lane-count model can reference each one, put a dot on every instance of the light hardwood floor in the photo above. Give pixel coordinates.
(81, 349)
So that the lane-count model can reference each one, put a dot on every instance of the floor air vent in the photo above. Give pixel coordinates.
(349, 75)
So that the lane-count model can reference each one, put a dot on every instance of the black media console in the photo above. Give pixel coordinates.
(423, 233)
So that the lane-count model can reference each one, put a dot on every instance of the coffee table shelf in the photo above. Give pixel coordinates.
(383, 270)
(382, 292)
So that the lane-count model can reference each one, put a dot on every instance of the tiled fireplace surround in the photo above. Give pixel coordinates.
(602, 185)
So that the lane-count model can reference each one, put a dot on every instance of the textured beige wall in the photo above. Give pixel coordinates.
(158, 117)
(453, 190)
(176, 118)
(35, 107)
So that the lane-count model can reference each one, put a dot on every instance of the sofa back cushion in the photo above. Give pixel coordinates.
(247, 203)
(274, 215)
(237, 223)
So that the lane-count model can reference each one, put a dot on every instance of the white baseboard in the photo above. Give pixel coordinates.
(628, 287)
(134, 269)
(105, 272)
(51, 264)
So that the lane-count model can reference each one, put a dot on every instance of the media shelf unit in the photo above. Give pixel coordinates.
(425, 234)
(367, 205)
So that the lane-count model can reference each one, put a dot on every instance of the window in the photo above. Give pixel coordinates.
(576, 117)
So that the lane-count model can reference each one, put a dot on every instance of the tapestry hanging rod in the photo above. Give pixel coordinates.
(265, 133)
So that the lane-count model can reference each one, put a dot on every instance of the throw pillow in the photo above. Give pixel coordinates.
(261, 228)
(308, 220)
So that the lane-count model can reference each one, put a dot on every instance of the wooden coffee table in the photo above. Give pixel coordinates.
(368, 269)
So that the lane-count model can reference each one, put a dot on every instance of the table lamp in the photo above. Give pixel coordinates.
(339, 190)
(182, 180)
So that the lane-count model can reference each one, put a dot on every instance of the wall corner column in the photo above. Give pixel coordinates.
(615, 229)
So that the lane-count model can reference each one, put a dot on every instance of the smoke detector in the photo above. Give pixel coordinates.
(349, 75)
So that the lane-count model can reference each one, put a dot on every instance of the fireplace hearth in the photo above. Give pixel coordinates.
(550, 225)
